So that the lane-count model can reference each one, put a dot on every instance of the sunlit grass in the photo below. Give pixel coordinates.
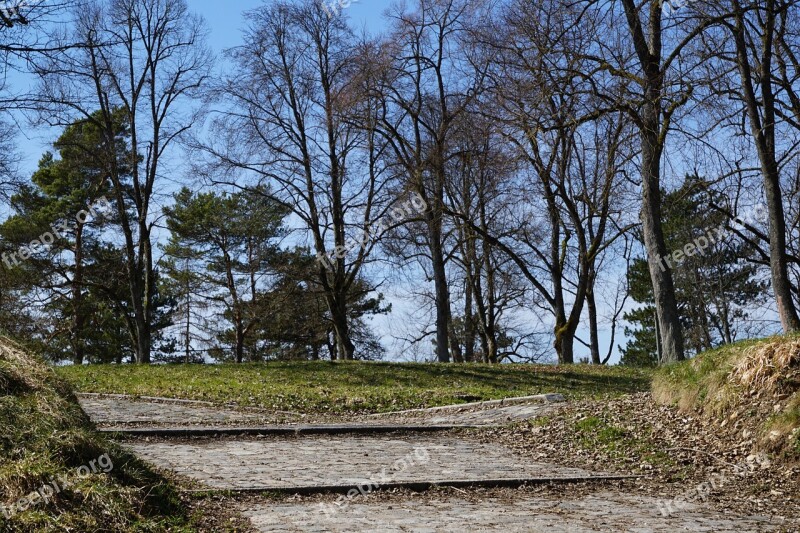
(46, 438)
(347, 387)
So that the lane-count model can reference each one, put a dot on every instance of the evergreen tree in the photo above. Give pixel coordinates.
(714, 285)
(299, 324)
(223, 245)
(58, 223)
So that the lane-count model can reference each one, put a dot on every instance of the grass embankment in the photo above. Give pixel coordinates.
(752, 382)
(57, 474)
(354, 387)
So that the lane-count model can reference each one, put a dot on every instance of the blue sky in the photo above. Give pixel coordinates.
(226, 22)
(225, 25)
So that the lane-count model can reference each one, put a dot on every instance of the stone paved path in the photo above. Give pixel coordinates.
(604, 511)
(300, 462)
(108, 411)
(119, 412)
(296, 462)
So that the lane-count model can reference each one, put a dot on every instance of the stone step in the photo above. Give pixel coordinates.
(334, 462)
(487, 404)
(588, 511)
(283, 430)
(367, 487)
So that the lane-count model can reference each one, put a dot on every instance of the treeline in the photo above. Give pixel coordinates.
(536, 172)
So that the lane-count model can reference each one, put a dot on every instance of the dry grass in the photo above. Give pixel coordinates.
(755, 380)
(45, 438)
(16, 372)
(764, 366)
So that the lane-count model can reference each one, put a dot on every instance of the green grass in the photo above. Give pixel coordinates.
(350, 387)
(594, 433)
(45, 438)
(702, 381)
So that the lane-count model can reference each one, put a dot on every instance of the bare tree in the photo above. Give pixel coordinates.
(299, 119)
(655, 82)
(144, 59)
(570, 148)
(754, 38)
(24, 36)
(478, 190)
(428, 84)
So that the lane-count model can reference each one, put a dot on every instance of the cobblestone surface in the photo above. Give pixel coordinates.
(297, 462)
(112, 411)
(605, 511)
(347, 460)
(121, 412)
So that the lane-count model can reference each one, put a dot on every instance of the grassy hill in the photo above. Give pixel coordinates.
(752, 386)
(57, 474)
(351, 387)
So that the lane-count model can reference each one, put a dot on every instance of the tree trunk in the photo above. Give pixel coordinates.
(593, 329)
(469, 324)
(648, 50)
(187, 334)
(331, 345)
(345, 348)
(660, 270)
(143, 337)
(78, 318)
(434, 220)
(239, 342)
(493, 355)
(484, 339)
(763, 132)
(142, 292)
(564, 344)
(456, 352)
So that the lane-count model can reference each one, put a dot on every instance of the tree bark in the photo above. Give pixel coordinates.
(345, 348)
(434, 220)
(78, 318)
(469, 324)
(763, 132)
(649, 51)
(594, 337)
(652, 232)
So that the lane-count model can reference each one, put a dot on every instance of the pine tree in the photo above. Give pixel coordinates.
(58, 224)
(714, 285)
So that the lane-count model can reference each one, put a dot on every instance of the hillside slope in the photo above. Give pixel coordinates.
(57, 474)
(750, 388)
(353, 387)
